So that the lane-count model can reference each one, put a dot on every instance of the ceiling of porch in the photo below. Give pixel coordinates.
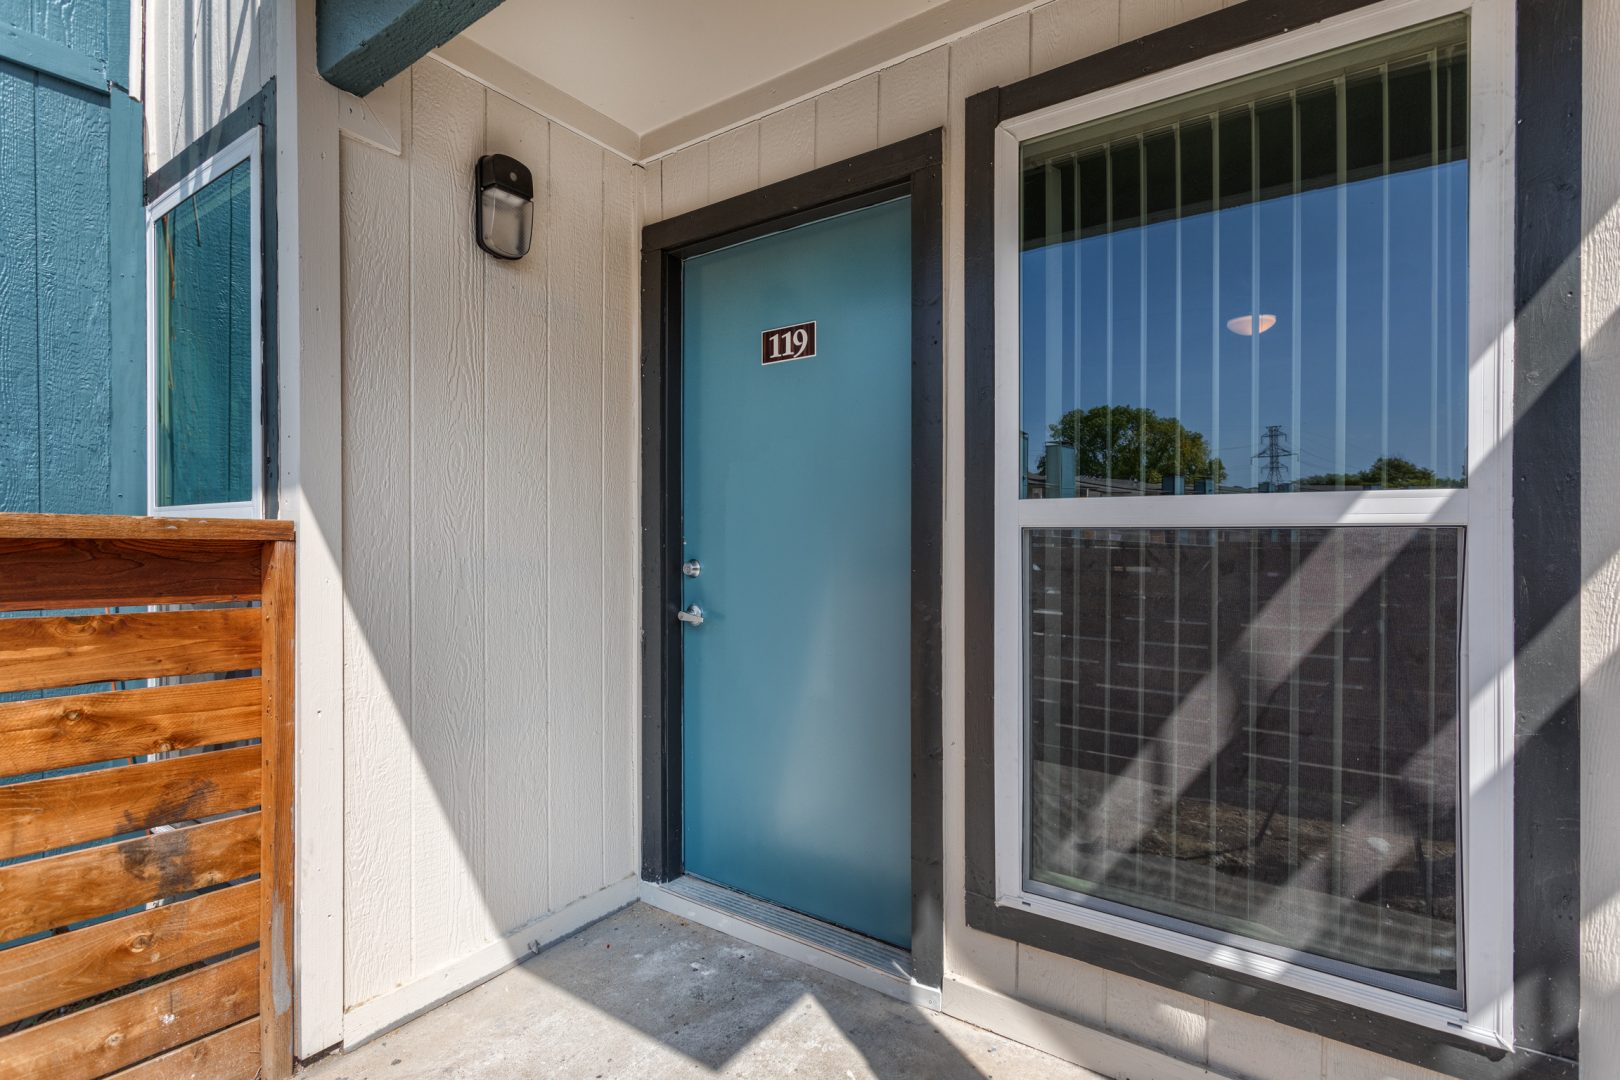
(672, 70)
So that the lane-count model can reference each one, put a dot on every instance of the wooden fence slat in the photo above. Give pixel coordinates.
(45, 814)
(70, 650)
(58, 732)
(116, 1033)
(116, 997)
(276, 849)
(110, 527)
(78, 885)
(59, 970)
(232, 1054)
(109, 573)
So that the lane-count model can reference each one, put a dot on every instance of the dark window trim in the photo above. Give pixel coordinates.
(1546, 538)
(908, 167)
(257, 111)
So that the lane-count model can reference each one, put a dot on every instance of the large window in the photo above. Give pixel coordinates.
(1259, 289)
(204, 440)
(1257, 723)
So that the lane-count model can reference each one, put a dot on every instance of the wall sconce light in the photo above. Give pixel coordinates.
(505, 206)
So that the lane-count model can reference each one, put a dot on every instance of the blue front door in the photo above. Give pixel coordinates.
(797, 506)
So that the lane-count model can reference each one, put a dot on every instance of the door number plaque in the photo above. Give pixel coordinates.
(787, 343)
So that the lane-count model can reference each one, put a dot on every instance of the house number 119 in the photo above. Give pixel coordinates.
(787, 343)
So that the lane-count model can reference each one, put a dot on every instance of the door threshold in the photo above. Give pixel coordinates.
(873, 964)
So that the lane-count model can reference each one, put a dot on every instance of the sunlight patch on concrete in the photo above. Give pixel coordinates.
(645, 994)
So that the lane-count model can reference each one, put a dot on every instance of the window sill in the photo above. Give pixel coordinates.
(242, 510)
(1235, 958)
(1423, 1034)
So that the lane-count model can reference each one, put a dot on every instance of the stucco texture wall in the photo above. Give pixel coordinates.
(1089, 1015)
(489, 545)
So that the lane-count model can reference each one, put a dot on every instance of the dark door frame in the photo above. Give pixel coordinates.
(910, 167)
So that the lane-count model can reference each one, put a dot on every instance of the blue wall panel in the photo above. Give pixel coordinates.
(75, 286)
(81, 25)
(71, 270)
(19, 294)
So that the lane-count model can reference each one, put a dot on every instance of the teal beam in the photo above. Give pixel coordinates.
(361, 44)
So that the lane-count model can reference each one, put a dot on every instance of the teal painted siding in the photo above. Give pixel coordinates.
(81, 25)
(72, 338)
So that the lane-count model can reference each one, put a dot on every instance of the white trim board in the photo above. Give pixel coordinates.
(247, 148)
(382, 1014)
(310, 455)
(793, 948)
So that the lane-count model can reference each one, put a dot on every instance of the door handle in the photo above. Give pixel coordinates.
(691, 614)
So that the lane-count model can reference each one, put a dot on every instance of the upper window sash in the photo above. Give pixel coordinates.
(248, 148)
(1486, 816)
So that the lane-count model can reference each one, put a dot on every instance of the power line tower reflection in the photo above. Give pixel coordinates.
(1275, 454)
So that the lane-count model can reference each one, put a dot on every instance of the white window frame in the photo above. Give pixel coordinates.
(246, 148)
(1483, 508)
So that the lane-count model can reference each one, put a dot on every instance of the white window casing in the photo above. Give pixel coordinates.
(248, 148)
(1483, 508)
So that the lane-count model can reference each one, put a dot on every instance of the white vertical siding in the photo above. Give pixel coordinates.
(1066, 30)
(734, 162)
(912, 95)
(490, 500)
(991, 981)
(1138, 18)
(787, 145)
(652, 191)
(377, 752)
(574, 628)
(516, 457)
(994, 56)
(686, 179)
(445, 399)
(847, 121)
(203, 58)
(620, 550)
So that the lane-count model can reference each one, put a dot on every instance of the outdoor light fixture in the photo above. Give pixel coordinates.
(1250, 325)
(505, 206)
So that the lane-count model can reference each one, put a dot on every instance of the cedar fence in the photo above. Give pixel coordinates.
(146, 779)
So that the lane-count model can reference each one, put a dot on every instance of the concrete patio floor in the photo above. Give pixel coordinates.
(646, 995)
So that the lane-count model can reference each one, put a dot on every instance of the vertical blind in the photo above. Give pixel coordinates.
(1260, 295)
